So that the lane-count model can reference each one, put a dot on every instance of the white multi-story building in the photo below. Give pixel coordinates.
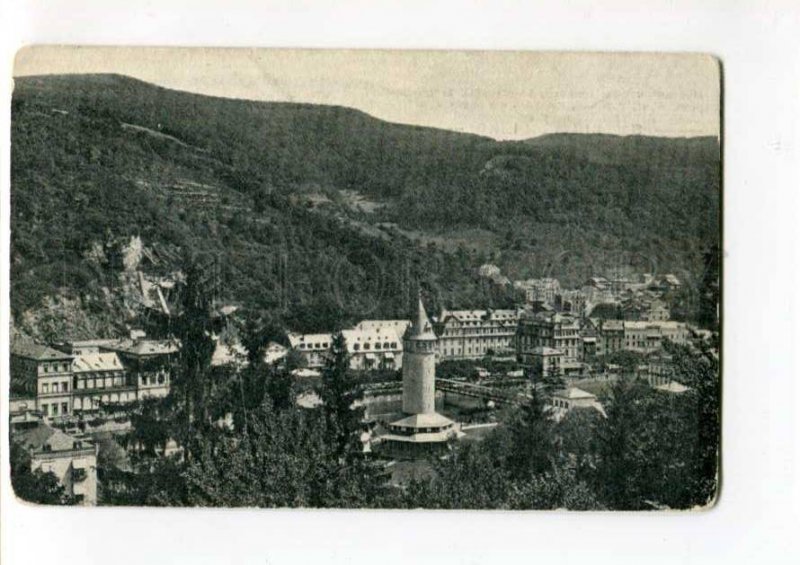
(98, 379)
(149, 361)
(640, 336)
(374, 347)
(539, 290)
(314, 348)
(44, 373)
(552, 330)
(473, 334)
(371, 344)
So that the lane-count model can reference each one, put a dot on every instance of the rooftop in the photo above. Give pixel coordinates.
(296, 339)
(37, 352)
(434, 420)
(575, 393)
(42, 438)
(477, 315)
(674, 387)
(96, 362)
(145, 346)
(398, 326)
(228, 354)
(91, 342)
(372, 335)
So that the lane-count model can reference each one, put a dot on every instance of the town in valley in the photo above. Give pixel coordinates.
(73, 398)
(389, 279)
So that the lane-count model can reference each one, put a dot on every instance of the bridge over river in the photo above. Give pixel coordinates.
(461, 388)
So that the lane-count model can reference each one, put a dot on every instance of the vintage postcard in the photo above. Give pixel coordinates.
(365, 279)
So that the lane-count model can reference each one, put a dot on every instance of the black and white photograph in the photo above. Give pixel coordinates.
(365, 279)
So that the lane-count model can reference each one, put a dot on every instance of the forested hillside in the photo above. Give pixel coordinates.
(266, 190)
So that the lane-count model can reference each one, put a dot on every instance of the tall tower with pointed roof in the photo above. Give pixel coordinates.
(419, 365)
(422, 428)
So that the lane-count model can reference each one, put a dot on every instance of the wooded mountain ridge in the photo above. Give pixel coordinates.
(267, 189)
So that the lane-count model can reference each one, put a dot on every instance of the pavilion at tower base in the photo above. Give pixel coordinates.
(419, 435)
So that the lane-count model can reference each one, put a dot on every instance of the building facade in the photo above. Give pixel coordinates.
(551, 330)
(72, 460)
(315, 349)
(473, 334)
(647, 310)
(99, 379)
(149, 362)
(83, 376)
(371, 344)
(639, 336)
(542, 290)
(44, 373)
(542, 362)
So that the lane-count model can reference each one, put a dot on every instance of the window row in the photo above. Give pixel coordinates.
(366, 346)
(159, 379)
(55, 408)
(103, 382)
(55, 367)
(314, 345)
(48, 388)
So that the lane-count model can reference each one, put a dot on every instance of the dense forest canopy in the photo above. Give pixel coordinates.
(263, 189)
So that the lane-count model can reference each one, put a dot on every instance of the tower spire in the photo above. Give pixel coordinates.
(421, 328)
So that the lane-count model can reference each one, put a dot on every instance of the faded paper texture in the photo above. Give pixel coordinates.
(365, 279)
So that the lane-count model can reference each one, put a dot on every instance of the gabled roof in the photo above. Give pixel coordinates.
(464, 315)
(228, 354)
(574, 393)
(398, 326)
(674, 387)
(96, 362)
(37, 352)
(91, 342)
(145, 346)
(274, 352)
(36, 438)
(296, 339)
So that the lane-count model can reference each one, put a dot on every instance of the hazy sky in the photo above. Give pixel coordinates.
(505, 95)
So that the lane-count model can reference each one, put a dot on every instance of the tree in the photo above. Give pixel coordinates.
(294, 360)
(576, 437)
(700, 372)
(258, 330)
(277, 462)
(646, 448)
(359, 479)
(340, 391)
(110, 454)
(627, 360)
(617, 471)
(152, 482)
(197, 347)
(34, 486)
(558, 488)
(474, 475)
(151, 425)
(533, 451)
(709, 289)
(284, 459)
